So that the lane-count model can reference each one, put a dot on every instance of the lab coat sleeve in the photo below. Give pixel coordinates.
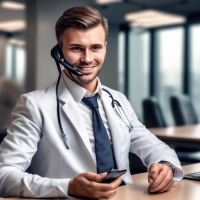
(148, 147)
(16, 152)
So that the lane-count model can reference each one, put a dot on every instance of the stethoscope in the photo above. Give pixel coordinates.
(119, 111)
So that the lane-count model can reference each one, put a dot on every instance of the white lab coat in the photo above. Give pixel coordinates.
(34, 138)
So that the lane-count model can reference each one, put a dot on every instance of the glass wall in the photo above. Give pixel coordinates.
(168, 67)
(194, 64)
(15, 63)
(139, 45)
(121, 61)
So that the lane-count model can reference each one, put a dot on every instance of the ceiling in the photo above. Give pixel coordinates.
(115, 12)
(10, 15)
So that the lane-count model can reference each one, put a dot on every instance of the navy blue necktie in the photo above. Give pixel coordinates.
(103, 149)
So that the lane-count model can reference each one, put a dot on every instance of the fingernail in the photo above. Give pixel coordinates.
(151, 180)
(102, 174)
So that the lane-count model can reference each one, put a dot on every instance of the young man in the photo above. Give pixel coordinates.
(98, 140)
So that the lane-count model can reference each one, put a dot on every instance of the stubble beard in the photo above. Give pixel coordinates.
(79, 79)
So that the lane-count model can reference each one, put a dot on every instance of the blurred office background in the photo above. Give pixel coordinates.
(153, 47)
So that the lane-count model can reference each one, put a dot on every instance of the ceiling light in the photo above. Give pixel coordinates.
(107, 1)
(158, 23)
(153, 18)
(13, 5)
(13, 26)
(16, 41)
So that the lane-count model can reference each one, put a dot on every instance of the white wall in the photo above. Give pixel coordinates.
(46, 72)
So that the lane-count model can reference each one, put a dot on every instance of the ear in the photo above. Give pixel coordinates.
(105, 46)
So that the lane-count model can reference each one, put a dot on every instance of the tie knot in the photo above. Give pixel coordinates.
(91, 101)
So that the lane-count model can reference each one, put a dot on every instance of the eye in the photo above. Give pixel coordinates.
(96, 47)
(76, 48)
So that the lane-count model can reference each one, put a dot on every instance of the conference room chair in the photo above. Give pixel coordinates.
(3, 133)
(183, 110)
(152, 113)
(184, 114)
(153, 118)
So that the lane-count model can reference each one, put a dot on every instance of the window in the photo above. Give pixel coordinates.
(15, 62)
(139, 45)
(194, 63)
(121, 61)
(168, 67)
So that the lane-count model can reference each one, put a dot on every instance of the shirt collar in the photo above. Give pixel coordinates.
(79, 92)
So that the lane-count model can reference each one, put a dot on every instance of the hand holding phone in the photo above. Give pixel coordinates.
(112, 175)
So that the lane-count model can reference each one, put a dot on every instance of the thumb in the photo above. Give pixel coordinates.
(99, 177)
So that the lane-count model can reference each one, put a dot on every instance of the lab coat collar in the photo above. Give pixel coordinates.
(71, 110)
(77, 92)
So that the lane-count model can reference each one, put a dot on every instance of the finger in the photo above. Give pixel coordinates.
(150, 180)
(160, 178)
(154, 171)
(110, 186)
(166, 181)
(94, 177)
(171, 187)
(116, 182)
(104, 194)
(167, 187)
(111, 196)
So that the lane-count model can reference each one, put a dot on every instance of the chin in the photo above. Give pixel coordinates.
(86, 78)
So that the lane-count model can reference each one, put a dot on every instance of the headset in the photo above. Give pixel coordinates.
(56, 53)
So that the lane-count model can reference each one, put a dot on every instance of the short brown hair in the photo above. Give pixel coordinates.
(81, 17)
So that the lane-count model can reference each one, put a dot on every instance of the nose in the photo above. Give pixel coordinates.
(87, 56)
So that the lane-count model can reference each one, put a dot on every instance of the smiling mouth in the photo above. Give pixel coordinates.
(85, 68)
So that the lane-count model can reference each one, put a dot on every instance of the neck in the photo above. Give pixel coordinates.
(91, 87)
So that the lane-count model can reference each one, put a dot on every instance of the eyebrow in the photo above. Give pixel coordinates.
(79, 45)
(75, 45)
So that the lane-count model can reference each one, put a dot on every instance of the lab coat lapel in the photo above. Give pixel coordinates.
(115, 129)
(71, 110)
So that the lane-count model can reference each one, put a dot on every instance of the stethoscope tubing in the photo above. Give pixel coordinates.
(113, 103)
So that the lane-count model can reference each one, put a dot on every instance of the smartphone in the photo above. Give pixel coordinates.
(112, 175)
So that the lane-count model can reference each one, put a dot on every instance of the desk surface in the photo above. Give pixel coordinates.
(189, 133)
(184, 190)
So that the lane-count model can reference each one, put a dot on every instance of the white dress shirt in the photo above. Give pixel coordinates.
(78, 93)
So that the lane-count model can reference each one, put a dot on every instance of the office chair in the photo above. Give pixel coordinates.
(184, 114)
(3, 133)
(152, 118)
(183, 110)
(152, 113)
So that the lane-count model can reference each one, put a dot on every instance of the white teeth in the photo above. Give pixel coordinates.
(86, 68)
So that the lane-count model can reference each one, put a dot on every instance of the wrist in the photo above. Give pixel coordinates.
(169, 165)
(70, 188)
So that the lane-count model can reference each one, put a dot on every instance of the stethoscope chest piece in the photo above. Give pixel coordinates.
(119, 111)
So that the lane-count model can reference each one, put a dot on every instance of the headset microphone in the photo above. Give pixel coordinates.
(56, 53)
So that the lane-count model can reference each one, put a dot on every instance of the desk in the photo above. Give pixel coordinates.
(184, 190)
(179, 136)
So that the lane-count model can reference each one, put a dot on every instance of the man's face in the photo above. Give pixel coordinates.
(85, 50)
